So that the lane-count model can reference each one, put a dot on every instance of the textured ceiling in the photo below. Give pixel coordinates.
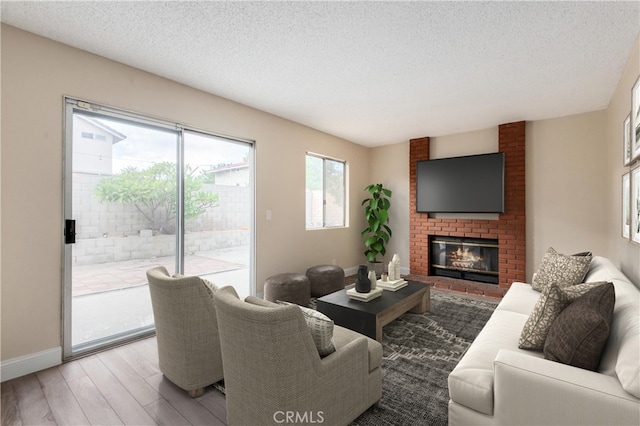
(374, 73)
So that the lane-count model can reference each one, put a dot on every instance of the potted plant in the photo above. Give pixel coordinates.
(377, 232)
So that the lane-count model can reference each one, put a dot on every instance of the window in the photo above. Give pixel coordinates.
(325, 192)
(96, 136)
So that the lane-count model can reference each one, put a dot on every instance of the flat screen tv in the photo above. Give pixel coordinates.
(470, 184)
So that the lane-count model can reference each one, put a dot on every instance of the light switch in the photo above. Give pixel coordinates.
(268, 214)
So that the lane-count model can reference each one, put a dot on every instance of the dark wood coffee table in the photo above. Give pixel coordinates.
(368, 318)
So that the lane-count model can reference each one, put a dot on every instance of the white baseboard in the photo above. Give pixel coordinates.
(351, 271)
(21, 366)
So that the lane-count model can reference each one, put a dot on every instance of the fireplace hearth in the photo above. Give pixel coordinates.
(474, 259)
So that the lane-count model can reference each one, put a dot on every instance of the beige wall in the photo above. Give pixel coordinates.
(36, 73)
(624, 253)
(566, 186)
(469, 143)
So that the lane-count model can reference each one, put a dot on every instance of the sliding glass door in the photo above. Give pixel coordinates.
(141, 193)
(217, 237)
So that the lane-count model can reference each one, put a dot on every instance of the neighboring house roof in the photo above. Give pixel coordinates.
(117, 136)
(230, 167)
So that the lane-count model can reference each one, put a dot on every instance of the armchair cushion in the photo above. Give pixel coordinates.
(343, 336)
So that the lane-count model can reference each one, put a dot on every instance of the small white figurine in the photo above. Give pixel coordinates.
(396, 267)
(373, 279)
(391, 270)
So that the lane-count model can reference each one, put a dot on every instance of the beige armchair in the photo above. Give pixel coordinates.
(186, 329)
(274, 375)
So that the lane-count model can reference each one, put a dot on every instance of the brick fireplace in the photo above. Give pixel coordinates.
(510, 228)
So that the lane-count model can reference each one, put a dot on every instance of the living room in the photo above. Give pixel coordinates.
(574, 169)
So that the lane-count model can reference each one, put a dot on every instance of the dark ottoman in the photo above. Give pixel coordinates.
(325, 279)
(289, 287)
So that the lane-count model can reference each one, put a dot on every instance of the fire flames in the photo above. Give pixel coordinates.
(465, 258)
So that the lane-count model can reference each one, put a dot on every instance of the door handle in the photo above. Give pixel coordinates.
(69, 231)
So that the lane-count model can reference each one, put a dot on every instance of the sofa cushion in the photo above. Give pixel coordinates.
(471, 381)
(520, 298)
(320, 327)
(602, 269)
(579, 334)
(564, 270)
(621, 357)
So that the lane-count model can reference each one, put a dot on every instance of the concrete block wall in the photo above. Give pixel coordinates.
(110, 232)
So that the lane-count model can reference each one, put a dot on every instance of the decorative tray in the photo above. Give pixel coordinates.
(391, 285)
(364, 297)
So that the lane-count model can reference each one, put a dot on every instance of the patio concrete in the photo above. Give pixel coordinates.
(112, 298)
(88, 279)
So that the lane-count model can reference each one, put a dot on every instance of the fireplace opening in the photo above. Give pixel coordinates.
(474, 259)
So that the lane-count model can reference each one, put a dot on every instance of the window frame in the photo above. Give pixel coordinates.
(345, 173)
(73, 106)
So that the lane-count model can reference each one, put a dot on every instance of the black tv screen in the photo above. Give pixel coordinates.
(470, 184)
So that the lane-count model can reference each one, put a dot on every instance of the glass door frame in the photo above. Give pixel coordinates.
(73, 105)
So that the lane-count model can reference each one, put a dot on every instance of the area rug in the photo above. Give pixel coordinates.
(419, 352)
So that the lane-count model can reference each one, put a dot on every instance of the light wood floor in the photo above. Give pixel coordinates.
(115, 387)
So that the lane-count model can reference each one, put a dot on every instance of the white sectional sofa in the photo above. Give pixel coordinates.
(496, 383)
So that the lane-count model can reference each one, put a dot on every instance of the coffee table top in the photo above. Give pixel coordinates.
(386, 299)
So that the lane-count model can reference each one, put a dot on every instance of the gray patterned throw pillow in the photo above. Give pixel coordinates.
(209, 286)
(562, 269)
(321, 328)
(549, 306)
